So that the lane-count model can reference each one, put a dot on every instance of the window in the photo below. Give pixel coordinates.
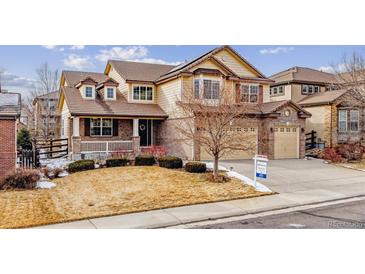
(342, 120)
(277, 90)
(354, 120)
(63, 127)
(348, 120)
(250, 93)
(281, 90)
(101, 127)
(310, 89)
(110, 93)
(196, 88)
(142, 93)
(211, 89)
(88, 92)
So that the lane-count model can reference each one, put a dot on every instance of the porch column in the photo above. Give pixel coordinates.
(76, 126)
(136, 138)
(135, 128)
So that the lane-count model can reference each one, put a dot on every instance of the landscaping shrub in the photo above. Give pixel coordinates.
(20, 178)
(352, 152)
(117, 162)
(170, 162)
(195, 167)
(330, 154)
(81, 165)
(145, 160)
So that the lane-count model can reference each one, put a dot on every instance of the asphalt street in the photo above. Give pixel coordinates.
(349, 215)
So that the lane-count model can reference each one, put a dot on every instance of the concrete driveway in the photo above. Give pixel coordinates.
(298, 175)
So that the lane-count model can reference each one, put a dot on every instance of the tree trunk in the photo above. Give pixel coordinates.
(215, 168)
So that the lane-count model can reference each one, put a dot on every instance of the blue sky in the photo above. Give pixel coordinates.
(20, 62)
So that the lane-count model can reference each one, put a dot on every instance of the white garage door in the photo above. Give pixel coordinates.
(286, 142)
(249, 134)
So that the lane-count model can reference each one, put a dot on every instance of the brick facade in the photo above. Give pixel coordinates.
(7, 146)
(332, 136)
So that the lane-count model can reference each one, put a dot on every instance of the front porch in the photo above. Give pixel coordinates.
(103, 137)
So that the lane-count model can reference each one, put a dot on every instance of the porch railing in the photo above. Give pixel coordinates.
(106, 146)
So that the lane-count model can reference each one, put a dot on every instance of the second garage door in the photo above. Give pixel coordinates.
(249, 134)
(286, 142)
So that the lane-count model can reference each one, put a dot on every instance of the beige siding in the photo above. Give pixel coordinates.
(234, 64)
(266, 93)
(123, 86)
(286, 96)
(318, 120)
(65, 115)
(167, 95)
(207, 65)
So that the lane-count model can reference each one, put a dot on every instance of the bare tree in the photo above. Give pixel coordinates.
(213, 121)
(44, 109)
(350, 72)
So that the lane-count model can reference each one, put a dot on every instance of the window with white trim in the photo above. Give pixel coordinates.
(342, 120)
(101, 127)
(196, 89)
(88, 92)
(277, 91)
(249, 93)
(210, 89)
(310, 89)
(354, 120)
(110, 93)
(143, 93)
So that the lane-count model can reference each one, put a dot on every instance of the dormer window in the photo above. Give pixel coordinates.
(110, 93)
(88, 92)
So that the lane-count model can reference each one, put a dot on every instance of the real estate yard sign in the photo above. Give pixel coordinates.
(260, 167)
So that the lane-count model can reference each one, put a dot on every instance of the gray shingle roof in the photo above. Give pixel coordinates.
(10, 104)
(302, 74)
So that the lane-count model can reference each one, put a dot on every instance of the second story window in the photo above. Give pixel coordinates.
(88, 92)
(310, 89)
(110, 93)
(249, 93)
(277, 91)
(143, 93)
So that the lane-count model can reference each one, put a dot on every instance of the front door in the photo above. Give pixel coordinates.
(145, 129)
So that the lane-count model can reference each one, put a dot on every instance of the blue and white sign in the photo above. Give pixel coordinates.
(260, 167)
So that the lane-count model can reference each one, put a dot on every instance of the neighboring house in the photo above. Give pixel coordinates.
(337, 116)
(298, 82)
(46, 117)
(26, 118)
(9, 113)
(336, 113)
(135, 105)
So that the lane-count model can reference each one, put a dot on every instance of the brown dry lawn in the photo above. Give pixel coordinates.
(113, 191)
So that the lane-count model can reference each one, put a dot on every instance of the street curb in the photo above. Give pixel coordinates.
(251, 212)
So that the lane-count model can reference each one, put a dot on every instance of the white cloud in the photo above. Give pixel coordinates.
(53, 47)
(154, 61)
(122, 53)
(11, 80)
(49, 46)
(132, 53)
(276, 50)
(77, 62)
(333, 69)
(77, 47)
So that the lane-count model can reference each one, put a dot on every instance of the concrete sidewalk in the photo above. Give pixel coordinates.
(299, 183)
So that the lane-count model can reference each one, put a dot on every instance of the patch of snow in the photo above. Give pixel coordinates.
(259, 187)
(63, 174)
(45, 184)
(97, 166)
(296, 225)
(55, 163)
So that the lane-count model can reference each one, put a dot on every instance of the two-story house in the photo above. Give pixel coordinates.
(46, 121)
(337, 111)
(134, 105)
